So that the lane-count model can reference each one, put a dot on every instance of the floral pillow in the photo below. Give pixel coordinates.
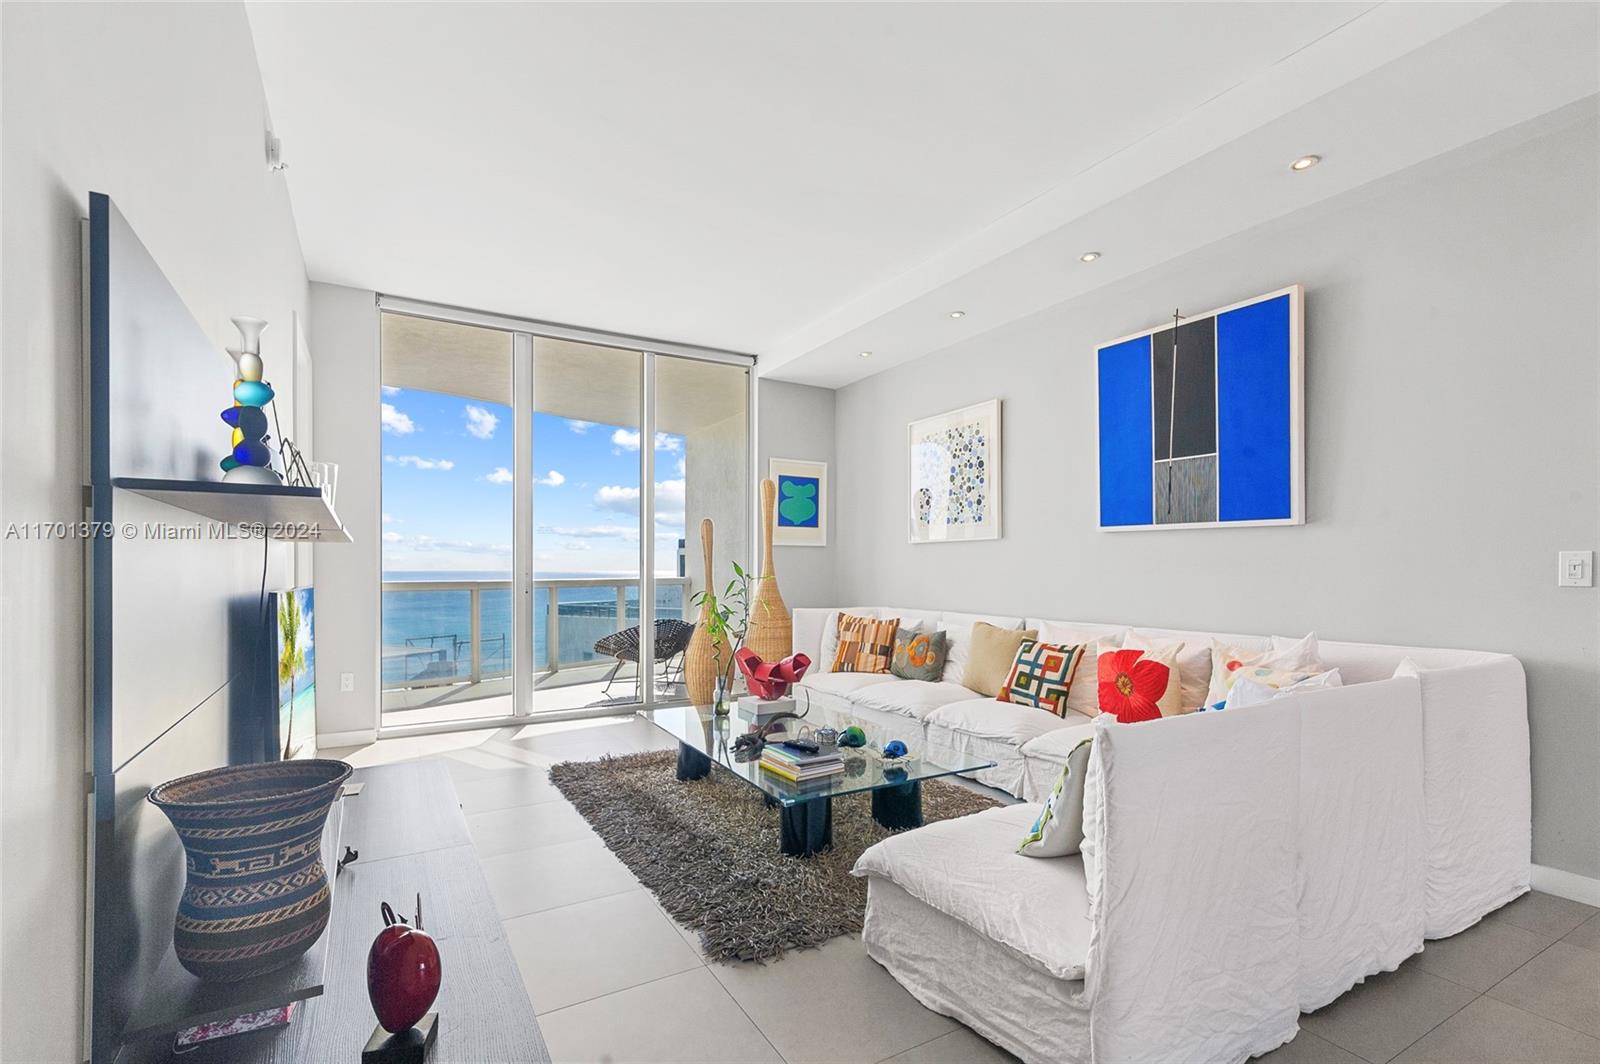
(1138, 685)
(1059, 829)
(1041, 675)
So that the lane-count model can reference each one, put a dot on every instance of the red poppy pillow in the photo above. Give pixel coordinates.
(1140, 685)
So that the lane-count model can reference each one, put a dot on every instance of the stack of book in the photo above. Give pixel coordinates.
(798, 766)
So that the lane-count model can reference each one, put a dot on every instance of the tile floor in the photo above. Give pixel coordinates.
(613, 978)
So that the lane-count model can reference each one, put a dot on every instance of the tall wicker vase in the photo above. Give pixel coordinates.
(771, 635)
(700, 659)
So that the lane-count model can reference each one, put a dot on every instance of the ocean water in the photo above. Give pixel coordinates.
(427, 634)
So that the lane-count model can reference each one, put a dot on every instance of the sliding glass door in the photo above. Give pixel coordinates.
(559, 520)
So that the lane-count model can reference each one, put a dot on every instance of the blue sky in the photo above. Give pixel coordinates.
(447, 505)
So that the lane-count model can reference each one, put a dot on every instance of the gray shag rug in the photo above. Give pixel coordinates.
(708, 849)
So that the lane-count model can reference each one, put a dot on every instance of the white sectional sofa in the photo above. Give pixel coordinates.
(1238, 869)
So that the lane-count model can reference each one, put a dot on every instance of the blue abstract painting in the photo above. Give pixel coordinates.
(1201, 421)
(799, 501)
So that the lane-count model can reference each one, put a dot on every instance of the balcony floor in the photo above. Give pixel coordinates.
(578, 687)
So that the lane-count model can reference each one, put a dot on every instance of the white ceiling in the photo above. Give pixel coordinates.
(804, 181)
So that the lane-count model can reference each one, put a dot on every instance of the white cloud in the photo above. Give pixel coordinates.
(578, 544)
(580, 427)
(551, 479)
(396, 422)
(501, 475)
(615, 497)
(683, 468)
(420, 463)
(389, 389)
(624, 500)
(628, 440)
(592, 532)
(392, 537)
(480, 422)
(387, 518)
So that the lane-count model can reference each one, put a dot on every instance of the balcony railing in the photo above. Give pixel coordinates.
(442, 632)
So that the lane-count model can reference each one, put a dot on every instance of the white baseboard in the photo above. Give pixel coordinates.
(1569, 885)
(347, 738)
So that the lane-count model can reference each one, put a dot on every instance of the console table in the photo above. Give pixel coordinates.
(408, 827)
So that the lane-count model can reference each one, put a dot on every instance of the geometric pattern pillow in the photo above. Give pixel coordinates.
(866, 644)
(1041, 675)
(919, 655)
(1059, 829)
(1138, 685)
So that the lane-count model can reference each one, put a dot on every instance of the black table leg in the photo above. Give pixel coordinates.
(899, 806)
(692, 764)
(806, 827)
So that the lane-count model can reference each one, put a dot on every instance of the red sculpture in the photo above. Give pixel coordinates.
(402, 971)
(771, 679)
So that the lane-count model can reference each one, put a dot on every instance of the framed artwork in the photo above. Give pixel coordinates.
(802, 517)
(1203, 425)
(955, 475)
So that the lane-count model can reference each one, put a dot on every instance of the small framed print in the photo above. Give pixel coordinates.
(955, 475)
(802, 512)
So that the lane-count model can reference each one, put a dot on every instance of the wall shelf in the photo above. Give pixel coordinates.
(288, 513)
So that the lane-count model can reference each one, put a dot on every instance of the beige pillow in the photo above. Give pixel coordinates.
(990, 656)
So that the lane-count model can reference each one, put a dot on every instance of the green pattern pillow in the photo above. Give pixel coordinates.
(919, 655)
(1059, 829)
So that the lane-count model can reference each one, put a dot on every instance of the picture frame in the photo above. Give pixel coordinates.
(1220, 441)
(800, 482)
(954, 464)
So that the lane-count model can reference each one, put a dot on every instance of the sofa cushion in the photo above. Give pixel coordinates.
(992, 652)
(1059, 829)
(1003, 721)
(911, 698)
(958, 627)
(968, 869)
(846, 683)
(1141, 685)
(1054, 746)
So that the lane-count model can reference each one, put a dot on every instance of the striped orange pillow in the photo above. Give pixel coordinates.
(865, 644)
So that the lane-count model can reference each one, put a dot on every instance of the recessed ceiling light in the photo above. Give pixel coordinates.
(1305, 162)
(958, 313)
(1088, 256)
(866, 354)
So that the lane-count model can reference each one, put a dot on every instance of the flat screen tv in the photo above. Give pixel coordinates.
(295, 652)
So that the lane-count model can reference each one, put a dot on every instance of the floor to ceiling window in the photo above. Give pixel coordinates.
(538, 492)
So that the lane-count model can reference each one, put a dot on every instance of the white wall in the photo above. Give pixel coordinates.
(344, 344)
(161, 107)
(796, 421)
(1453, 372)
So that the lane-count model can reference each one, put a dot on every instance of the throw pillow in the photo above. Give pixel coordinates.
(1252, 687)
(1138, 685)
(990, 656)
(919, 655)
(1059, 829)
(1085, 697)
(1297, 654)
(1041, 675)
(866, 644)
(1194, 662)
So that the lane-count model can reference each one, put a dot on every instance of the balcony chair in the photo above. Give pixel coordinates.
(672, 639)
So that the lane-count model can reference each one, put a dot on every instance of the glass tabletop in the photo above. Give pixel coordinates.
(865, 769)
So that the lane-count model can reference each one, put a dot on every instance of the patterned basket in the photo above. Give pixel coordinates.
(256, 895)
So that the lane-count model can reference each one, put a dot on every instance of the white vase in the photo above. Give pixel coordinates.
(247, 365)
(250, 330)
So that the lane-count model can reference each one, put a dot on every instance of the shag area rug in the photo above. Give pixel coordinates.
(708, 849)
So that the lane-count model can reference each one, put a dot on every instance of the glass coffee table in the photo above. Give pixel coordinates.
(705, 739)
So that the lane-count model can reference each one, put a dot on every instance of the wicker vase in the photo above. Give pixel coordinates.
(771, 634)
(700, 660)
(256, 896)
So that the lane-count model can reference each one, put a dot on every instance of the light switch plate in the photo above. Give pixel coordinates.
(347, 682)
(1575, 568)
